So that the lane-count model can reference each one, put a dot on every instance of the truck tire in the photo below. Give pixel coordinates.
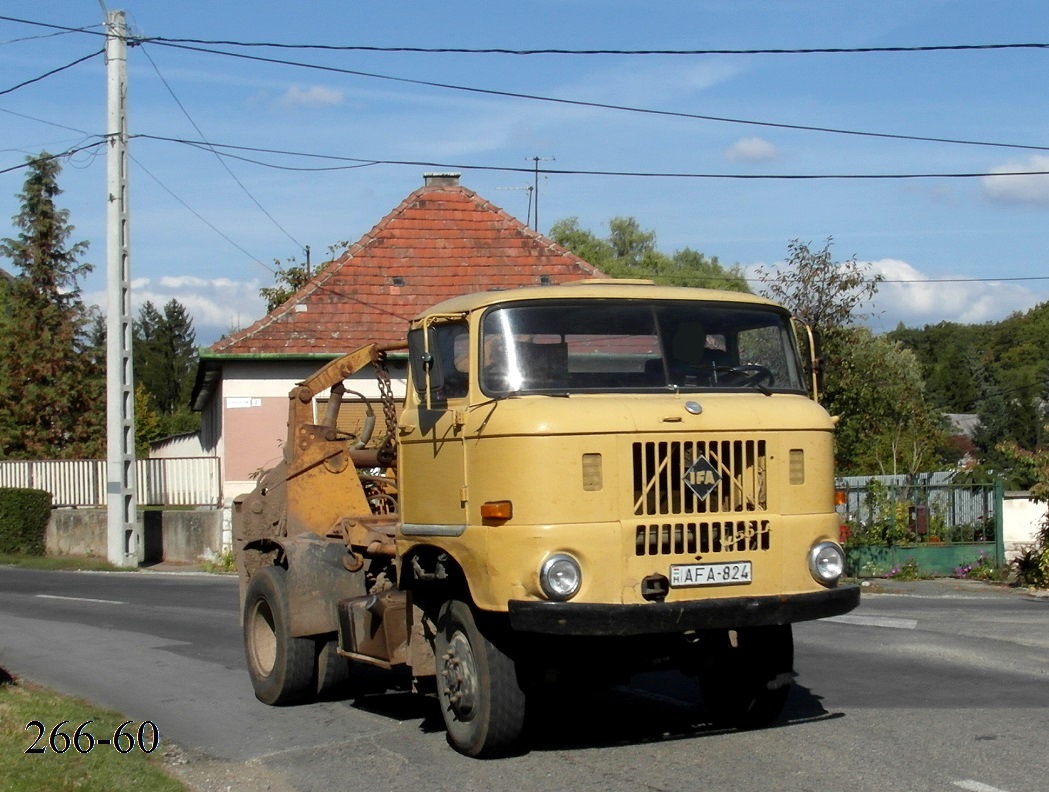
(282, 668)
(746, 685)
(480, 698)
(333, 670)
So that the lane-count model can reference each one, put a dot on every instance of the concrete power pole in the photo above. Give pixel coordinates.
(125, 536)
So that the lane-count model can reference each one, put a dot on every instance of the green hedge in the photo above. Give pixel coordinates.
(23, 520)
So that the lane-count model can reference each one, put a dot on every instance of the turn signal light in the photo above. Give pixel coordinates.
(497, 510)
(840, 497)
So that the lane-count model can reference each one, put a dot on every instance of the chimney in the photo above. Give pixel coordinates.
(441, 179)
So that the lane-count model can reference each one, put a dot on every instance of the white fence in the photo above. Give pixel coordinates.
(185, 481)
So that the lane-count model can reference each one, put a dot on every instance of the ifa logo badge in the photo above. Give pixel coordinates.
(701, 478)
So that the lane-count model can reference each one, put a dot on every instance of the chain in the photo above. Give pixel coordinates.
(388, 450)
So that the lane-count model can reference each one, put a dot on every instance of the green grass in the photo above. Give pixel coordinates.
(60, 562)
(101, 768)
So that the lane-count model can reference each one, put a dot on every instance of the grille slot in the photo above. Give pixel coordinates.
(703, 538)
(660, 468)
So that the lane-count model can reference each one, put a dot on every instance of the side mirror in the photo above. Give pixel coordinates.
(425, 365)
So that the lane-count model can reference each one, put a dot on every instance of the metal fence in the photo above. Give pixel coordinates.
(184, 481)
(897, 510)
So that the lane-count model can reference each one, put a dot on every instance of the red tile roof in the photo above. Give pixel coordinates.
(442, 241)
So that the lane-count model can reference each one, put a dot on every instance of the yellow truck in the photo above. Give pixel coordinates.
(584, 482)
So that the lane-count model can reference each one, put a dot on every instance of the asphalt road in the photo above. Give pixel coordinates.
(941, 686)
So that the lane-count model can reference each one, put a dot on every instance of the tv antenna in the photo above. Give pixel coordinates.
(536, 160)
(531, 190)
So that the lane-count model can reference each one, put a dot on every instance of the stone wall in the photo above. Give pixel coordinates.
(177, 535)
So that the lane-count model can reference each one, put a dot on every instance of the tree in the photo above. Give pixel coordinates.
(886, 425)
(51, 391)
(871, 382)
(165, 353)
(290, 276)
(630, 252)
(824, 294)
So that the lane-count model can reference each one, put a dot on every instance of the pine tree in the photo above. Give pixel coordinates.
(51, 391)
(165, 354)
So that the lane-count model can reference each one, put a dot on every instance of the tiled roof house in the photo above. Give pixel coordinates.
(443, 240)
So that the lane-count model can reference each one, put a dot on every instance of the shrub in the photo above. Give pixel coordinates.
(1032, 565)
(983, 568)
(908, 570)
(23, 520)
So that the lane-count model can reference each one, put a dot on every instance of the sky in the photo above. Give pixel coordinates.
(206, 230)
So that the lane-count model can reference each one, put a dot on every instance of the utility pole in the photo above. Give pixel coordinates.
(537, 160)
(124, 538)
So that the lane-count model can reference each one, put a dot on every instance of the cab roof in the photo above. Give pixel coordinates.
(593, 289)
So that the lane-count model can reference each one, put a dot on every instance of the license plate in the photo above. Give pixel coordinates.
(736, 573)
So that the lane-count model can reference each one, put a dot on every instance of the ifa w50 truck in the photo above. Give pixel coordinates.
(584, 482)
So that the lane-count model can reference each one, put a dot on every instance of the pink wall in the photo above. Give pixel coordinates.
(255, 435)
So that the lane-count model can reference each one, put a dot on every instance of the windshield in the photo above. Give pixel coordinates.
(621, 345)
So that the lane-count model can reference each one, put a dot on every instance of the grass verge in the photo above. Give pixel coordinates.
(101, 767)
(61, 562)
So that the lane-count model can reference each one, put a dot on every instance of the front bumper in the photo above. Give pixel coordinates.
(583, 618)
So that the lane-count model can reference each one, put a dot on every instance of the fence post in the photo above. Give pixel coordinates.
(999, 531)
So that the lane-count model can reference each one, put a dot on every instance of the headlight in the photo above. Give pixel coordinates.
(560, 577)
(826, 563)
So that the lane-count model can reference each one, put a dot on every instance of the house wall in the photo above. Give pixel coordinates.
(177, 447)
(251, 406)
(1021, 517)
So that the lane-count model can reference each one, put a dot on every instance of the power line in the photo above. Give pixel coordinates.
(43, 121)
(224, 150)
(176, 43)
(67, 153)
(601, 105)
(555, 51)
(45, 75)
(48, 35)
(228, 170)
(200, 217)
(564, 51)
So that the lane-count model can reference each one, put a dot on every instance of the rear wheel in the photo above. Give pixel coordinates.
(281, 667)
(333, 670)
(477, 687)
(746, 675)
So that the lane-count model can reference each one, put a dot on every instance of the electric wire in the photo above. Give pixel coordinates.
(43, 121)
(224, 149)
(366, 163)
(45, 75)
(222, 162)
(604, 105)
(29, 163)
(48, 35)
(162, 41)
(567, 51)
(559, 51)
(200, 217)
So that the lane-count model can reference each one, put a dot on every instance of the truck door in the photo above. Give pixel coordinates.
(432, 453)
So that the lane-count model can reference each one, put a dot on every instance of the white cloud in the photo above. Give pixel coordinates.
(217, 305)
(915, 298)
(751, 149)
(1033, 189)
(314, 96)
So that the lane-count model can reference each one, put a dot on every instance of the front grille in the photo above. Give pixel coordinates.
(733, 477)
(702, 538)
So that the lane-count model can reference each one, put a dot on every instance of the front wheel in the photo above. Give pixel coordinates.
(746, 675)
(281, 667)
(480, 698)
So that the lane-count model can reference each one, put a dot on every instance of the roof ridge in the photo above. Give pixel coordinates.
(443, 248)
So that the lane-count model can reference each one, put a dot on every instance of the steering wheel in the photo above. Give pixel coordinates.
(750, 374)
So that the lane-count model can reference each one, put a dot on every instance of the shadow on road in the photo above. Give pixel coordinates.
(653, 707)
